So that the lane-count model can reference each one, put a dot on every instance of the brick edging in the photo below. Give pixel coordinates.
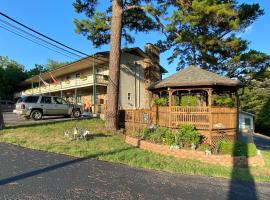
(224, 160)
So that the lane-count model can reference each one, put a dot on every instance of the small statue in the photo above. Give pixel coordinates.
(208, 152)
(76, 133)
(193, 147)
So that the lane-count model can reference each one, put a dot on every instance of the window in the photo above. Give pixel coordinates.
(129, 96)
(67, 78)
(58, 100)
(47, 100)
(248, 122)
(3, 103)
(78, 75)
(30, 99)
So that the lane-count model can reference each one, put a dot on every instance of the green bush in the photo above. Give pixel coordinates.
(161, 101)
(189, 101)
(222, 100)
(143, 134)
(158, 136)
(237, 148)
(204, 147)
(170, 138)
(188, 134)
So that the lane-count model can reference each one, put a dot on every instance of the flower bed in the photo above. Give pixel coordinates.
(224, 160)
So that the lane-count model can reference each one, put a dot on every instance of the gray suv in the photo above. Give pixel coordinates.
(37, 106)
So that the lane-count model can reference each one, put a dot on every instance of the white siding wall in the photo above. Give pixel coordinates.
(131, 81)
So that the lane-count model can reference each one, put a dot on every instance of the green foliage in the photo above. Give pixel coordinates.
(11, 74)
(189, 101)
(170, 138)
(188, 134)
(237, 148)
(158, 136)
(203, 32)
(139, 16)
(256, 99)
(204, 147)
(161, 101)
(223, 100)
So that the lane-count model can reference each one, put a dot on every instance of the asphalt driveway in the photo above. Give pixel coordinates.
(29, 174)
(262, 142)
(12, 119)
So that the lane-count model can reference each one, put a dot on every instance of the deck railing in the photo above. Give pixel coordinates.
(65, 85)
(204, 117)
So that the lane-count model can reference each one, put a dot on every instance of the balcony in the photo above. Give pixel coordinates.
(73, 83)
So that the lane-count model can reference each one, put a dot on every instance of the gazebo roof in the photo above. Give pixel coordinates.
(195, 76)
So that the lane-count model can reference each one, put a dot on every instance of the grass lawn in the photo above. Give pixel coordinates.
(110, 147)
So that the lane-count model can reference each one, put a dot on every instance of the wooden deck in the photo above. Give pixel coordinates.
(210, 121)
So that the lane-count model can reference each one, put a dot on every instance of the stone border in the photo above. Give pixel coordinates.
(224, 160)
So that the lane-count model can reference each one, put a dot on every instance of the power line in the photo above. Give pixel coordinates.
(47, 37)
(81, 57)
(18, 34)
(32, 35)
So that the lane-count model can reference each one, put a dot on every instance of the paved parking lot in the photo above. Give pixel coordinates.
(12, 119)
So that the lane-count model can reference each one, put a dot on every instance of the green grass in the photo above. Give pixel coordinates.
(108, 146)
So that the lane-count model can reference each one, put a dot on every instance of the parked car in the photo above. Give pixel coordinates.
(35, 107)
(7, 105)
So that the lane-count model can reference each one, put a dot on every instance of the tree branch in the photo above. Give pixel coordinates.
(163, 27)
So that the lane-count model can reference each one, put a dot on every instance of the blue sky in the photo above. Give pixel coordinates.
(55, 19)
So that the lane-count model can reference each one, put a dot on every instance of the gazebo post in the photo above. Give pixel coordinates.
(210, 128)
(170, 105)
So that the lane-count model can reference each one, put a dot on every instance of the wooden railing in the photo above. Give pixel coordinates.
(204, 118)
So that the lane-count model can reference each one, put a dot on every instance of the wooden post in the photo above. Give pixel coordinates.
(237, 115)
(170, 105)
(210, 94)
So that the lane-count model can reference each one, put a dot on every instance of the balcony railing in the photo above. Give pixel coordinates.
(83, 81)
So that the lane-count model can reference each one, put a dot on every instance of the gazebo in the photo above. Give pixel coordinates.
(205, 99)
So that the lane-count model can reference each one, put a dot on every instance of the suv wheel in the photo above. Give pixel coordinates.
(76, 113)
(36, 115)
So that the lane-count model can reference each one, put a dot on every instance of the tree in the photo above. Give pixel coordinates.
(11, 74)
(38, 69)
(256, 99)
(204, 33)
(53, 64)
(2, 123)
(111, 26)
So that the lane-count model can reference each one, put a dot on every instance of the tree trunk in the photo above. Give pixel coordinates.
(114, 66)
(2, 124)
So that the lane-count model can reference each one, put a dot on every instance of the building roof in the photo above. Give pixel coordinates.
(194, 76)
(100, 59)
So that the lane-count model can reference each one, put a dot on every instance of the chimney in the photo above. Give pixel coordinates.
(153, 52)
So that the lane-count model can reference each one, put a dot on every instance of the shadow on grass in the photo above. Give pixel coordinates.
(56, 166)
(242, 189)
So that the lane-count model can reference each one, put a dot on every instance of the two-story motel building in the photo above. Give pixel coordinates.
(85, 81)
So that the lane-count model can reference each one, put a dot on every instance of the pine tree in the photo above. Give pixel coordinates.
(113, 25)
(207, 33)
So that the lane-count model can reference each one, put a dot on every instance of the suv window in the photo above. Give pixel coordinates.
(47, 100)
(58, 100)
(30, 99)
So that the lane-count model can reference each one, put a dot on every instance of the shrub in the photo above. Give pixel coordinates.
(222, 100)
(204, 147)
(170, 138)
(188, 134)
(143, 134)
(189, 101)
(161, 101)
(237, 148)
(158, 135)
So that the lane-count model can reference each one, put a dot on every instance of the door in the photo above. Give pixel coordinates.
(47, 106)
(60, 105)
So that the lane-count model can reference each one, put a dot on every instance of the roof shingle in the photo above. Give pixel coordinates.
(194, 76)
